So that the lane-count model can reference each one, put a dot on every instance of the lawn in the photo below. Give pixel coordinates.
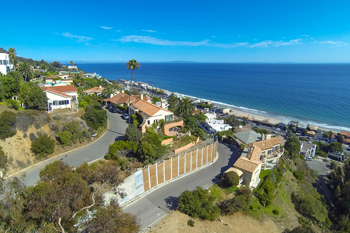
(264, 173)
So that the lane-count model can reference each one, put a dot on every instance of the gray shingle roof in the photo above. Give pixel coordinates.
(248, 137)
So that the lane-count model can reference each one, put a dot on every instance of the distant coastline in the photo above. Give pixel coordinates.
(311, 94)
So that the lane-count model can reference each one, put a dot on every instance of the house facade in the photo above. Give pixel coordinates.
(94, 91)
(5, 65)
(60, 97)
(256, 156)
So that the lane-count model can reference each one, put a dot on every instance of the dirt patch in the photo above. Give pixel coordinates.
(68, 112)
(5, 108)
(177, 222)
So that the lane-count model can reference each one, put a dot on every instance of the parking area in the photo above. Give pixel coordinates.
(322, 167)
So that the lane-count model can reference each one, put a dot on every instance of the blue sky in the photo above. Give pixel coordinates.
(202, 31)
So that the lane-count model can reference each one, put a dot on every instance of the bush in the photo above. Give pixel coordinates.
(12, 104)
(132, 133)
(275, 212)
(240, 202)
(43, 146)
(190, 223)
(95, 117)
(231, 178)
(298, 174)
(65, 138)
(7, 124)
(199, 204)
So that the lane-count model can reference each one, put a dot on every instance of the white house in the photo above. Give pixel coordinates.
(151, 112)
(5, 65)
(60, 97)
(213, 125)
(72, 67)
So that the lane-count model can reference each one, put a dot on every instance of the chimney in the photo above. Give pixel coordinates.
(142, 96)
(268, 136)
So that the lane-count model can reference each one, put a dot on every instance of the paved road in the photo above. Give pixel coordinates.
(156, 204)
(320, 166)
(95, 150)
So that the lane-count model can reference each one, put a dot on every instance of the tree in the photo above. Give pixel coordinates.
(2, 91)
(173, 101)
(65, 138)
(340, 138)
(3, 164)
(231, 178)
(185, 108)
(95, 116)
(201, 117)
(336, 147)
(12, 83)
(132, 65)
(156, 99)
(33, 96)
(199, 204)
(112, 219)
(7, 124)
(132, 133)
(109, 89)
(293, 145)
(26, 70)
(12, 53)
(43, 146)
(43, 66)
(71, 63)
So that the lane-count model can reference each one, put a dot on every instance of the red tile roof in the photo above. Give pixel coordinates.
(147, 107)
(52, 89)
(95, 89)
(68, 88)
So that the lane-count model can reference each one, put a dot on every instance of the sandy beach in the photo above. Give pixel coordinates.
(255, 117)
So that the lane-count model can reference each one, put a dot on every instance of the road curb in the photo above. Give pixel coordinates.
(34, 165)
(169, 181)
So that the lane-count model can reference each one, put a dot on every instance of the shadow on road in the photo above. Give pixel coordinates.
(119, 138)
(115, 132)
(171, 202)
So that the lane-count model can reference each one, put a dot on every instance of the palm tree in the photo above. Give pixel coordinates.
(132, 64)
(12, 53)
(26, 69)
(43, 66)
(185, 108)
(71, 63)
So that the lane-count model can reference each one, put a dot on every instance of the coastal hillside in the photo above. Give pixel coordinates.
(28, 128)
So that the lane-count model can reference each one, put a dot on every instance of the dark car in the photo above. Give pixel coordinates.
(113, 110)
(125, 116)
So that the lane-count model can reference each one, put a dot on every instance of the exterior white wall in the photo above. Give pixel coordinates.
(158, 116)
(72, 94)
(4, 63)
(54, 97)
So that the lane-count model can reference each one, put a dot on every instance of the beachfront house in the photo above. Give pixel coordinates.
(213, 125)
(60, 97)
(256, 156)
(246, 137)
(121, 99)
(308, 149)
(346, 136)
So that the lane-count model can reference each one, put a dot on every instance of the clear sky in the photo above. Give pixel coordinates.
(156, 31)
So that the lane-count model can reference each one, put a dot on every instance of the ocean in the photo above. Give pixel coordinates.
(318, 94)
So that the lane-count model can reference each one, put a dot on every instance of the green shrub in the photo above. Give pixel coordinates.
(298, 174)
(43, 146)
(7, 124)
(65, 138)
(199, 204)
(275, 212)
(215, 191)
(231, 178)
(14, 104)
(95, 117)
(190, 223)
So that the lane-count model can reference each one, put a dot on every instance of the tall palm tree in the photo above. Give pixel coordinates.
(185, 108)
(12, 53)
(26, 69)
(132, 65)
(71, 63)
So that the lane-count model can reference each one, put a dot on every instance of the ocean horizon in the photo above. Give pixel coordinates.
(316, 94)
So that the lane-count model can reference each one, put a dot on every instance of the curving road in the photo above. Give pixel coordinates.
(93, 151)
(158, 203)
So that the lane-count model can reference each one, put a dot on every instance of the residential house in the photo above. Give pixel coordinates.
(247, 137)
(91, 75)
(59, 80)
(346, 136)
(60, 97)
(5, 65)
(72, 67)
(94, 91)
(151, 113)
(308, 149)
(336, 156)
(213, 125)
(226, 110)
(122, 98)
(256, 156)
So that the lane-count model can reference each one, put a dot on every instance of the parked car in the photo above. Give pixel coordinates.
(125, 116)
(308, 159)
(113, 110)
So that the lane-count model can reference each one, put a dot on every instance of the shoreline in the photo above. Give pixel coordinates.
(262, 116)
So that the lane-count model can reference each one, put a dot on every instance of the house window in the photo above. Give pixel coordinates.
(169, 117)
(269, 152)
(149, 122)
(0, 62)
